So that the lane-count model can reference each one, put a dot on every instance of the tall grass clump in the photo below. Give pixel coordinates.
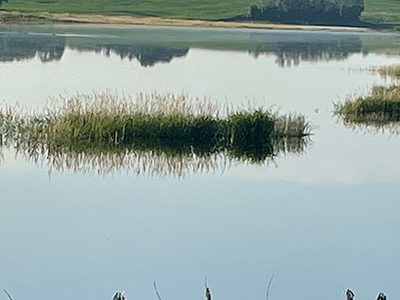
(111, 132)
(380, 107)
(168, 121)
(291, 134)
(105, 119)
(249, 135)
(291, 126)
(259, 134)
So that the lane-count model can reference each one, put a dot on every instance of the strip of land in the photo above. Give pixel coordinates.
(18, 18)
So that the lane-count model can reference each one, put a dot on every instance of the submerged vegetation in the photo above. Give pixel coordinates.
(166, 134)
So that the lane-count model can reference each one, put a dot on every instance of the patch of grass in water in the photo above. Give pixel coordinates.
(379, 108)
(106, 120)
(104, 127)
(251, 134)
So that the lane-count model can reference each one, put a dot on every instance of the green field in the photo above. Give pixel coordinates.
(382, 11)
(204, 9)
(375, 10)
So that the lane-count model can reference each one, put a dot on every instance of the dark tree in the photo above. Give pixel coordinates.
(308, 11)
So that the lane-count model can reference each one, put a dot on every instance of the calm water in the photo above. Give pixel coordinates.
(318, 221)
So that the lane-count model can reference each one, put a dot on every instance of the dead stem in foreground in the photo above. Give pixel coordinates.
(8, 295)
(269, 286)
(156, 291)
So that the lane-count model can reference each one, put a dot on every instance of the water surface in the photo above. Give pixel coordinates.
(318, 221)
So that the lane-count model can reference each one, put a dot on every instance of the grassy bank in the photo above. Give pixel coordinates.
(106, 128)
(382, 11)
(375, 10)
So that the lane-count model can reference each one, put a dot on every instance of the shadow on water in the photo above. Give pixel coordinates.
(150, 46)
(49, 47)
(155, 135)
(291, 49)
(147, 56)
(23, 46)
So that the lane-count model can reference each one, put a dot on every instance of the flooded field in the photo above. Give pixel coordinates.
(86, 220)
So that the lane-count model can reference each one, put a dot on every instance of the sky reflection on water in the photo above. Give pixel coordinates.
(319, 221)
(75, 235)
(215, 74)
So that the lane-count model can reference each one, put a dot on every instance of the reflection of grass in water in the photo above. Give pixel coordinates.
(109, 132)
(133, 160)
(379, 109)
(160, 162)
(392, 71)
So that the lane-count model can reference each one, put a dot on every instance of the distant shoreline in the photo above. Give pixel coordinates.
(7, 17)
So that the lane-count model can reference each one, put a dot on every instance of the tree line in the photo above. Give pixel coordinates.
(308, 11)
